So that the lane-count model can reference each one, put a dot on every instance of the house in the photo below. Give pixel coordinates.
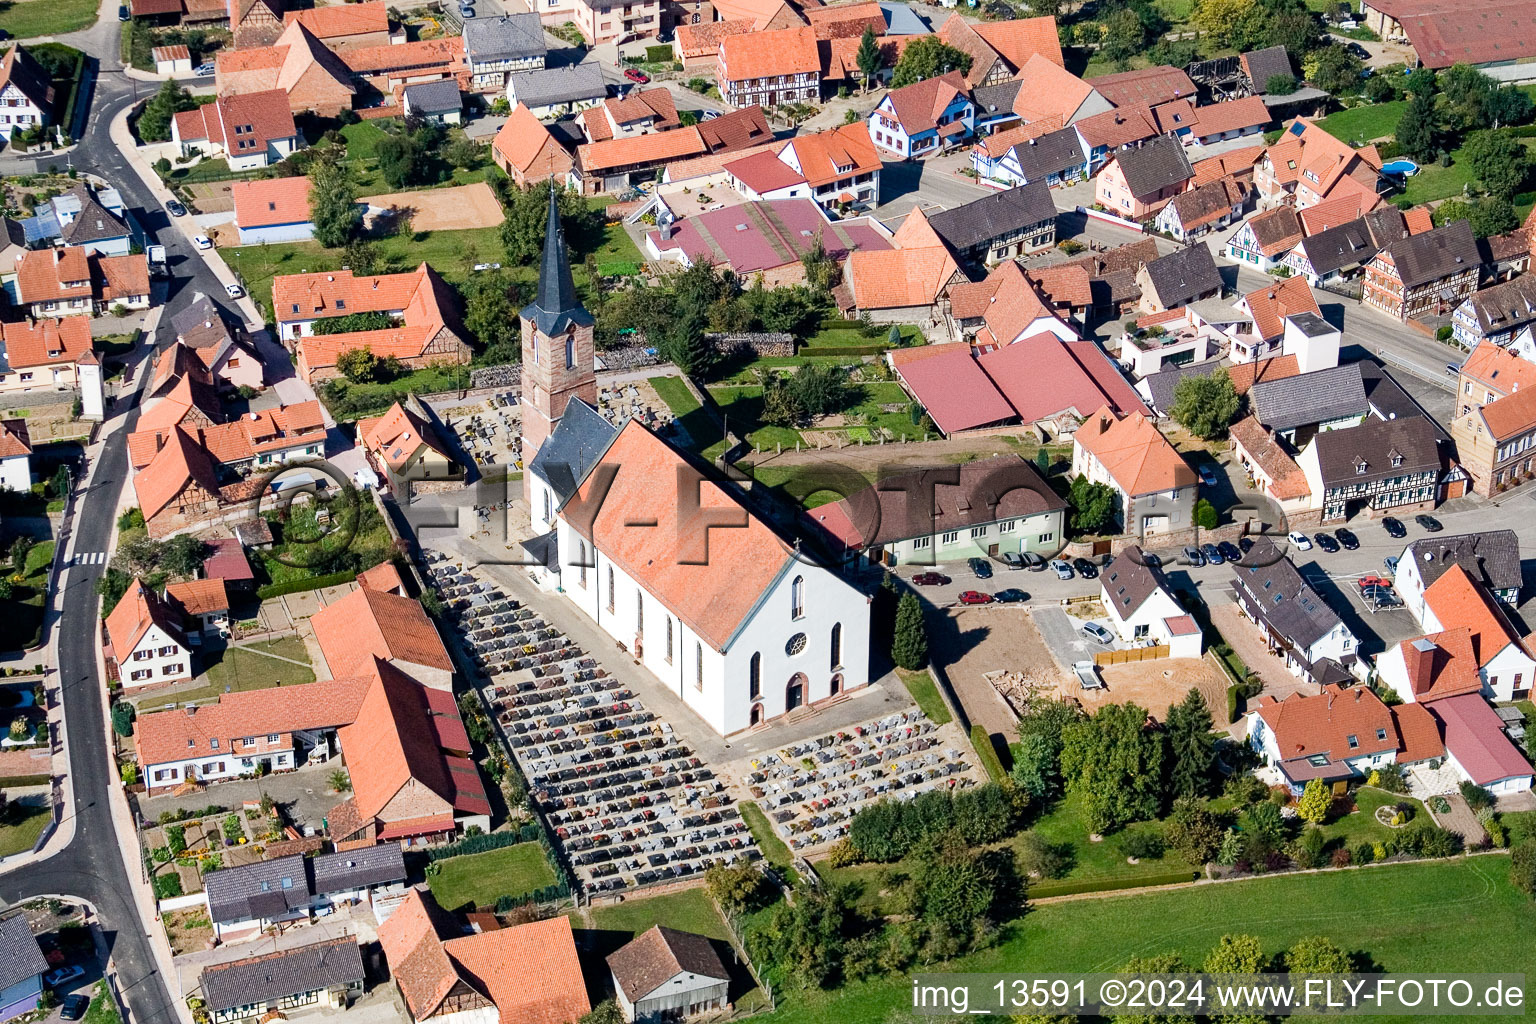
(1482, 33)
(1267, 309)
(1309, 165)
(223, 348)
(405, 448)
(1496, 314)
(385, 578)
(1424, 274)
(1299, 408)
(366, 625)
(1379, 466)
(1203, 209)
(697, 46)
(1052, 383)
(243, 901)
(1178, 337)
(1156, 487)
(147, 639)
(255, 22)
(310, 73)
(986, 508)
(272, 210)
(249, 130)
(744, 630)
(1271, 467)
(55, 282)
(1293, 620)
(1006, 307)
(611, 165)
(1043, 93)
(1218, 122)
(437, 101)
(840, 165)
(528, 972)
(1260, 67)
(1494, 442)
(1491, 558)
(1018, 155)
(44, 353)
(1265, 238)
(348, 26)
(496, 48)
(423, 311)
(1179, 278)
(600, 23)
(1150, 86)
(1067, 290)
(1489, 373)
(554, 92)
(998, 227)
(1335, 253)
(323, 975)
(1478, 747)
(94, 220)
(25, 93)
(172, 61)
(987, 65)
(742, 129)
(1142, 608)
(1461, 618)
(527, 153)
(769, 68)
(641, 112)
(764, 240)
(120, 281)
(203, 606)
(931, 116)
(1105, 132)
(900, 285)
(22, 964)
(1339, 735)
(15, 456)
(228, 563)
(664, 973)
(1136, 183)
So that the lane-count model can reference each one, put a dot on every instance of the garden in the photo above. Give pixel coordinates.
(479, 880)
(258, 665)
(23, 593)
(179, 853)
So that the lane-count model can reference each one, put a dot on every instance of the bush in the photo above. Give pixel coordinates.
(660, 54)
(1443, 333)
(1038, 858)
(167, 885)
(889, 829)
(335, 579)
(1522, 867)
(736, 887)
(1476, 796)
(1109, 884)
(1146, 844)
(129, 772)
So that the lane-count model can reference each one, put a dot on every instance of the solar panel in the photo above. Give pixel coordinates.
(1298, 128)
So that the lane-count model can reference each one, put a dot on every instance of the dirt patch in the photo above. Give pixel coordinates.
(188, 930)
(1155, 685)
(968, 643)
(441, 209)
(212, 196)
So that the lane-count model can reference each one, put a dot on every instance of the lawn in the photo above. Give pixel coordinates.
(690, 910)
(480, 879)
(921, 686)
(235, 669)
(1435, 182)
(691, 416)
(851, 337)
(1063, 827)
(1361, 825)
(22, 627)
(768, 841)
(1454, 915)
(1366, 122)
(742, 405)
(25, 19)
(362, 400)
(103, 1007)
(20, 827)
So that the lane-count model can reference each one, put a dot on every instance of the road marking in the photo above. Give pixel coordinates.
(89, 558)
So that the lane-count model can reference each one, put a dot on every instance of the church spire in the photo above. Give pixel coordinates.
(556, 307)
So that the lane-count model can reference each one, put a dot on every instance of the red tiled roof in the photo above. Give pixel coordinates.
(1237, 162)
(197, 597)
(789, 51)
(1119, 127)
(264, 202)
(1459, 600)
(384, 577)
(272, 430)
(1510, 415)
(179, 462)
(1145, 85)
(1134, 453)
(1049, 91)
(1289, 482)
(395, 437)
(1042, 376)
(846, 21)
(122, 277)
(737, 130)
(52, 274)
(1271, 304)
(135, 612)
(420, 56)
(1446, 32)
(1418, 734)
(523, 139)
(530, 971)
(242, 124)
(46, 342)
(1018, 40)
(15, 439)
(640, 150)
(824, 152)
(918, 106)
(1218, 118)
(1322, 724)
(367, 624)
(704, 40)
(896, 278)
(1246, 375)
(342, 19)
(1499, 369)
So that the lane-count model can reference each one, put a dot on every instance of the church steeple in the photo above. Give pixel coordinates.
(556, 307)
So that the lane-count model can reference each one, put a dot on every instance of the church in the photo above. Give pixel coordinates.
(656, 550)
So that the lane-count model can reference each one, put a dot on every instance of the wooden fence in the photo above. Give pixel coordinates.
(1134, 654)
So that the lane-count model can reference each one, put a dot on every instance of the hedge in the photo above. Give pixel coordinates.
(485, 842)
(68, 110)
(17, 781)
(987, 754)
(335, 579)
(843, 350)
(543, 894)
(1233, 702)
(661, 54)
(1045, 889)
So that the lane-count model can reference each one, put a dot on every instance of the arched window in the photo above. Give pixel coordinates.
(837, 645)
(755, 675)
(639, 613)
(797, 598)
(610, 588)
(698, 665)
(581, 560)
(570, 350)
(535, 359)
(669, 639)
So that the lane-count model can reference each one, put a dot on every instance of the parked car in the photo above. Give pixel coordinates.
(1245, 544)
(1347, 539)
(1381, 597)
(929, 579)
(1229, 551)
(637, 76)
(974, 597)
(1151, 560)
(74, 1007)
(1207, 474)
(1299, 540)
(1062, 568)
(1326, 542)
(202, 241)
(1394, 527)
(709, 115)
(1097, 633)
(1391, 563)
(174, 208)
(234, 291)
(1429, 523)
(1013, 560)
(1013, 595)
(123, 14)
(204, 70)
(1086, 569)
(1032, 561)
(1212, 554)
(1374, 581)
(1193, 556)
(981, 567)
(466, 11)
(53, 979)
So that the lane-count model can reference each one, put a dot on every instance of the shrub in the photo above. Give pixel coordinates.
(1476, 796)
(1390, 778)
(1144, 844)
(167, 885)
(887, 830)
(129, 773)
(1342, 858)
(1443, 333)
(736, 887)
(1037, 857)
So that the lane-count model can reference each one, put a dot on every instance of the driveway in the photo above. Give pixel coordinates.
(304, 795)
(1249, 646)
(1066, 644)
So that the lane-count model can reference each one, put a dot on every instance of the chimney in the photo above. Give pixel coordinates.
(1422, 660)
(191, 710)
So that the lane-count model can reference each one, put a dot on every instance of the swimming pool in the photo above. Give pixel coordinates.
(1403, 167)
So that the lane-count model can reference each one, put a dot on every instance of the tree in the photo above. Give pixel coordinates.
(1206, 516)
(1314, 803)
(1236, 954)
(1195, 832)
(736, 887)
(1095, 507)
(401, 159)
(333, 207)
(362, 257)
(358, 365)
(1124, 37)
(1493, 215)
(1522, 867)
(1191, 747)
(1500, 162)
(909, 646)
(463, 153)
(1451, 211)
(780, 406)
(1421, 82)
(605, 1012)
(1222, 19)
(491, 316)
(527, 209)
(1280, 85)
(1115, 763)
(1204, 404)
(1165, 963)
(928, 57)
(868, 58)
(820, 388)
(1418, 130)
(1466, 90)
(170, 100)
(1035, 768)
(1333, 69)
(821, 270)
(1506, 105)
(123, 714)
(1317, 955)
(339, 781)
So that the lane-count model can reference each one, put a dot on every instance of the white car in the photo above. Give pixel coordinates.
(234, 291)
(53, 979)
(202, 242)
(1300, 540)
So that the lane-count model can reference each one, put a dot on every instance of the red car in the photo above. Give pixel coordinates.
(929, 579)
(636, 75)
(1375, 581)
(974, 597)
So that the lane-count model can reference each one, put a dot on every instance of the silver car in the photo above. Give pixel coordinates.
(1062, 568)
(1097, 633)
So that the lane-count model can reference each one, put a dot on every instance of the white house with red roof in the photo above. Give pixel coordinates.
(272, 210)
(147, 640)
(26, 98)
(250, 130)
(15, 456)
(1340, 734)
(931, 116)
(43, 353)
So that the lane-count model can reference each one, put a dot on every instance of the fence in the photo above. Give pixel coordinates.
(1134, 654)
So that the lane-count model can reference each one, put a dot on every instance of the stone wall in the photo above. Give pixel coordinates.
(504, 376)
(760, 345)
(628, 357)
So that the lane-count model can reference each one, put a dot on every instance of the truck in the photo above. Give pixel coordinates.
(156, 254)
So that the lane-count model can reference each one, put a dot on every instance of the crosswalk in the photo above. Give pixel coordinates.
(89, 558)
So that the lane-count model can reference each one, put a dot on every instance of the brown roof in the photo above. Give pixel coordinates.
(1119, 127)
(640, 150)
(1418, 733)
(1323, 724)
(18, 68)
(53, 274)
(1064, 284)
(523, 141)
(896, 278)
(737, 130)
(1048, 90)
(1208, 202)
(367, 624)
(1236, 162)
(962, 35)
(1270, 305)
(1443, 32)
(421, 55)
(846, 21)
(15, 439)
(165, 53)
(340, 292)
(197, 597)
(1246, 375)
(1134, 453)
(704, 40)
(383, 576)
(395, 437)
(180, 462)
(789, 51)
(242, 124)
(122, 277)
(918, 106)
(1219, 118)
(1289, 482)
(1145, 85)
(1277, 231)
(655, 957)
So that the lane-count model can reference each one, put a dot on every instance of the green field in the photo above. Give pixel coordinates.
(1434, 916)
(1435, 182)
(920, 685)
(1366, 122)
(247, 667)
(689, 910)
(27, 19)
(480, 879)
(20, 826)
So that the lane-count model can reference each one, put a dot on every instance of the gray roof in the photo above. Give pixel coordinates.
(201, 325)
(358, 869)
(440, 97)
(506, 38)
(558, 85)
(20, 957)
(1306, 94)
(1437, 254)
(1184, 276)
(994, 215)
(578, 441)
(287, 972)
(1388, 398)
(1377, 449)
(555, 306)
(993, 99)
(1128, 581)
(1506, 306)
(1492, 558)
(268, 888)
(93, 223)
(652, 959)
(1310, 324)
(1049, 154)
(1162, 383)
(901, 20)
(1281, 597)
(1340, 247)
(1262, 65)
(1154, 165)
(1309, 398)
